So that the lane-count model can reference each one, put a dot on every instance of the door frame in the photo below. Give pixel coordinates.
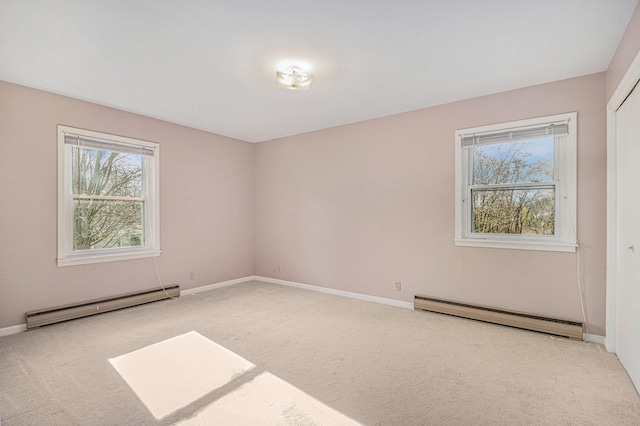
(623, 90)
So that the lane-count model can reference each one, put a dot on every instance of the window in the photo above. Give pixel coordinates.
(516, 184)
(108, 197)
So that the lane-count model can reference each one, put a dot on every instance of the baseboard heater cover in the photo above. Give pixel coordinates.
(553, 326)
(39, 318)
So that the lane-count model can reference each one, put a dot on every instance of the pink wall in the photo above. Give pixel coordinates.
(207, 194)
(355, 208)
(361, 206)
(625, 54)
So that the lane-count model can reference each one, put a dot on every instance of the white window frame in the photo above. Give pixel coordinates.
(151, 194)
(564, 238)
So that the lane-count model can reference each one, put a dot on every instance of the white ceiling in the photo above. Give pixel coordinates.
(210, 64)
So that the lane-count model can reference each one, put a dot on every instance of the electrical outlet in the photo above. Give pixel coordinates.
(279, 268)
(398, 285)
(192, 275)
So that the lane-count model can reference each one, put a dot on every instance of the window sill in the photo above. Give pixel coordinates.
(101, 258)
(516, 245)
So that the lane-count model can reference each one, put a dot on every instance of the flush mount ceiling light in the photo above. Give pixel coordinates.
(294, 79)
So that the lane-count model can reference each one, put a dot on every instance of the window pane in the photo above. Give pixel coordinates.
(104, 172)
(517, 162)
(107, 223)
(514, 211)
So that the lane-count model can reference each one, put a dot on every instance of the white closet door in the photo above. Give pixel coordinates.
(628, 235)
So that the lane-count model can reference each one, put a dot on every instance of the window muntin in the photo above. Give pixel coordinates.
(108, 197)
(515, 184)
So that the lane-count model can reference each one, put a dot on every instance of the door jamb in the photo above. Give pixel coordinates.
(629, 81)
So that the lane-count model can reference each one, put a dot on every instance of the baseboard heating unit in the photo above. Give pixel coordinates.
(36, 319)
(553, 326)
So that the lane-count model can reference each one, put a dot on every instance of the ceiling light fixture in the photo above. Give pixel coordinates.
(294, 79)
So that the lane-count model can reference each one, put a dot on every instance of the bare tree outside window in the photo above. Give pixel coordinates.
(508, 194)
(516, 184)
(107, 194)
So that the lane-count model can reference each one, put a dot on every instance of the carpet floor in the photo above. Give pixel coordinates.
(299, 357)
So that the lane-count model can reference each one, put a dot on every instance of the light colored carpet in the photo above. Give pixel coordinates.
(374, 364)
(268, 400)
(164, 382)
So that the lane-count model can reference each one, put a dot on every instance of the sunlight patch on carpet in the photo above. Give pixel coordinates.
(172, 374)
(267, 400)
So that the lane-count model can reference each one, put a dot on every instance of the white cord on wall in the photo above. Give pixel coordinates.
(581, 289)
(579, 279)
(160, 280)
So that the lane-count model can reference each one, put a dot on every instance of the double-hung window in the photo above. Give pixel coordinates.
(108, 197)
(516, 184)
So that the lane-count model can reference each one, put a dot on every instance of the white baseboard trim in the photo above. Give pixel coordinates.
(593, 338)
(359, 296)
(14, 329)
(217, 285)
